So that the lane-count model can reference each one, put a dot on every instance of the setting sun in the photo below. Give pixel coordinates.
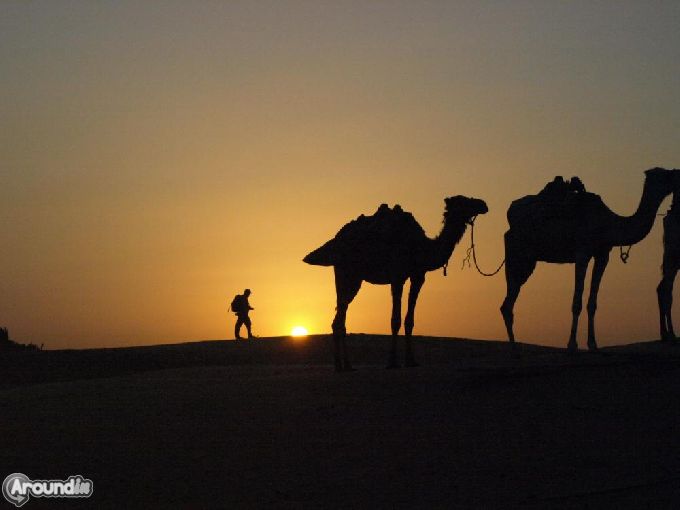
(299, 331)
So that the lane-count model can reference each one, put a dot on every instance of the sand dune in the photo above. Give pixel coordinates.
(269, 424)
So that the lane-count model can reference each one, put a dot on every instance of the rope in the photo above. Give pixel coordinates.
(473, 252)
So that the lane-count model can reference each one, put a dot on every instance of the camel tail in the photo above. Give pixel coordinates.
(323, 256)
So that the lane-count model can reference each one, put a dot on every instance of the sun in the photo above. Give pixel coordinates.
(299, 331)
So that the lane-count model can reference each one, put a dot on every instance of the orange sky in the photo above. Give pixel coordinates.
(157, 158)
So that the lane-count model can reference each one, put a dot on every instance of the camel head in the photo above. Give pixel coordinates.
(663, 181)
(460, 207)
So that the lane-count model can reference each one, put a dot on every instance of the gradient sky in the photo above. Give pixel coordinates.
(159, 157)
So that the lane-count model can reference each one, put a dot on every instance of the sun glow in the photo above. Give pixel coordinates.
(299, 331)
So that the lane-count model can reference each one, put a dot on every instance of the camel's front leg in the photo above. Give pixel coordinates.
(409, 320)
(669, 317)
(600, 265)
(665, 295)
(397, 291)
(576, 304)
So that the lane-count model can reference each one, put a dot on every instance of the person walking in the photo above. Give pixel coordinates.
(241, 307)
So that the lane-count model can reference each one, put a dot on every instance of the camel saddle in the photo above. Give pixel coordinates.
(559, 200)
(390, 226)
(384, 231)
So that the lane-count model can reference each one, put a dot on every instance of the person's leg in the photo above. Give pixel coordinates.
(248, 324)
(237, 328)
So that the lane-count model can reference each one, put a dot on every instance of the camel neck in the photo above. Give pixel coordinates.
(630, 230)
(445, 242)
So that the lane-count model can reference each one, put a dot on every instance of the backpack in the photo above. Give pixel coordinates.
(237, 304)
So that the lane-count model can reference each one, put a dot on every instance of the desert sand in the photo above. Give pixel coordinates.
(269, 424)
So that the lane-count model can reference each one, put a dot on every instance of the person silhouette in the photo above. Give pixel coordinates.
(241, 307)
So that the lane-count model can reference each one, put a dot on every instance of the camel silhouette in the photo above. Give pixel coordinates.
(388, 248)
(565, 224)
(669, 267)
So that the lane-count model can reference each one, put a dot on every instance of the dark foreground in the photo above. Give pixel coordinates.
(270, 425)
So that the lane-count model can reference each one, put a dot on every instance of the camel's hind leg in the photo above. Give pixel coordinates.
(518, 269)
(665, 295)
(346, 288)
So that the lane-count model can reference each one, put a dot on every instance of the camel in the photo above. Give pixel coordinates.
(388, 248)
(567, 225)
(669, 267)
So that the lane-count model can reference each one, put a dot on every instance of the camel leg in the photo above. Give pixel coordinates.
(576, 304)
(662, 297)
(346, 288)
(409, 320)
(665, 295)
(397, 291)
(517, 272)
(669, 307)
(599, 266)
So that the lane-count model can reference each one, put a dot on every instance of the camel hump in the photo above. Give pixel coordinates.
(386, 227)
(559, 199)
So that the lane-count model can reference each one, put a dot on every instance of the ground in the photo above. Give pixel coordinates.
(268, 424)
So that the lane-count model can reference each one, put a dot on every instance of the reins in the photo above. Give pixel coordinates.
(472, 252)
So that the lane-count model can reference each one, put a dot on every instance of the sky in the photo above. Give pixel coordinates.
(159, 157)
